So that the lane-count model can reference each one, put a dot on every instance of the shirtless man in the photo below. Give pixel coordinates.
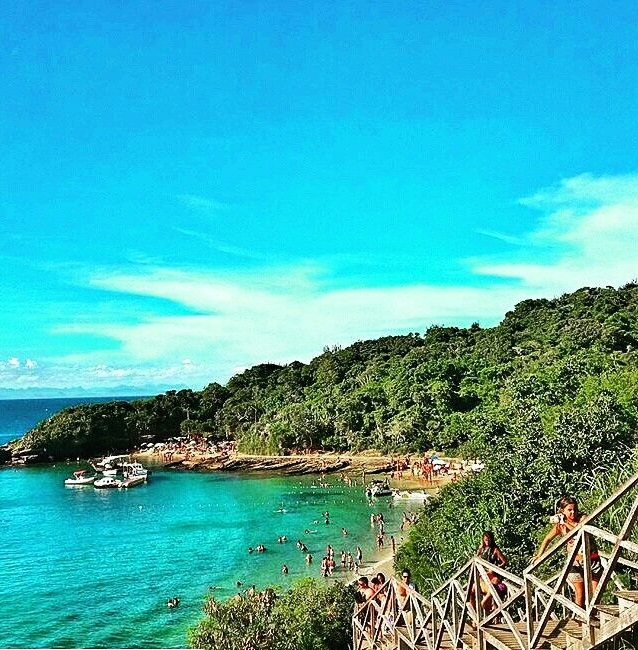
(365, 589)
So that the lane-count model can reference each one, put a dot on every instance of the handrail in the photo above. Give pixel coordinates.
(523, 610)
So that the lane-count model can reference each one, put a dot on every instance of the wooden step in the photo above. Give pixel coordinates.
(564, 634)
(607, 613)
(501, 637)
(626, 599)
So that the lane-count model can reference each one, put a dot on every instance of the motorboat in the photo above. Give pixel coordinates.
(132, 481)
(134, 470)
(80, 478)
(110, 465)
(378, 489)
(410, 495)
(107, 482)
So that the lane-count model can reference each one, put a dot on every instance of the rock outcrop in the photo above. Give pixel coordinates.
(287, 465)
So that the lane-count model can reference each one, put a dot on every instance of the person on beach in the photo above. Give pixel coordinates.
(569, 517)
(359, 555)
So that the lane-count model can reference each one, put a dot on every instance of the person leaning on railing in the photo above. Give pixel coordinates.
(569, 517)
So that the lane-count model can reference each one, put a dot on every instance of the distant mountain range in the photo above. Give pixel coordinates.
(76, 391)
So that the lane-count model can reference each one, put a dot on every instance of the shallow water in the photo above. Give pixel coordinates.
(94, 568)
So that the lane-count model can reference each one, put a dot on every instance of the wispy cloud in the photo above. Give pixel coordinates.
(590, 229)
(587, 235)
(217, 245)
(508, 239)
(202, 203)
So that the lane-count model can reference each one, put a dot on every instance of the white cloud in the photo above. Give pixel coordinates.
(202, 203)
(13, 362)
(30, 363)
(587, 235)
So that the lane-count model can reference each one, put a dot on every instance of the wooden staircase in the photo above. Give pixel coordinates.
(536, 613)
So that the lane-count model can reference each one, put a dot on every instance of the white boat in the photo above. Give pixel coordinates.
(134, 470)
(378, 489)
(110, 465)
(132, 481)
(107, 482)
(408, 495)
(79, 478)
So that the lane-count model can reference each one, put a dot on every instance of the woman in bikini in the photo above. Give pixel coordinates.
(568, 518)
(490, 552)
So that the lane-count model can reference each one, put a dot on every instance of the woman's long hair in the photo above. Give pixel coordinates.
(568, 501)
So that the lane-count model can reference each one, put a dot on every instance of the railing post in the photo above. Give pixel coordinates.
(529, 609)
(478, 607)
(434, 619)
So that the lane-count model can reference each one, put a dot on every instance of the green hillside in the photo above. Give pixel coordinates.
(449, 389)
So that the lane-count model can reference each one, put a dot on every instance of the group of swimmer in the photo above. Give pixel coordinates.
(348, 560)
(260, 548)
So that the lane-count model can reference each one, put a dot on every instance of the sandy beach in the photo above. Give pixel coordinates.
(360, 468)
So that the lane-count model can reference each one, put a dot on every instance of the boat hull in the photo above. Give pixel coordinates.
(132, 481)
(106, 483)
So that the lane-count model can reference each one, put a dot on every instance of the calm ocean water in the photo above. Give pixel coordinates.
(94, 568)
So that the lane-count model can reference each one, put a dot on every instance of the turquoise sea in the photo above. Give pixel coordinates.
(94, 568)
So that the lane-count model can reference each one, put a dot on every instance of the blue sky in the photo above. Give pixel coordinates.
(190, 188)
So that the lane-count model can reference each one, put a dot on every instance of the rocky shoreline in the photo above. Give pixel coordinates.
(286, 465)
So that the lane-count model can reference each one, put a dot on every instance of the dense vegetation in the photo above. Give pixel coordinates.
(548, 399)
(548, 365)
(310, 616)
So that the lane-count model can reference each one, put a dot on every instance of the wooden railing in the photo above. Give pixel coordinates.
(392, 616)
(545, 597)
(468, 610)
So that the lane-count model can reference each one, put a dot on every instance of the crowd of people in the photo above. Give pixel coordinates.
(492, 591)
(343, 556)
(186, 447)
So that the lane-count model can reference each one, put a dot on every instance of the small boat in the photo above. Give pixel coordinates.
(132, 481)
(134, 470)
(407, 495)
(79, 478)
(110, 465)
(107, 482)
(378, 489)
